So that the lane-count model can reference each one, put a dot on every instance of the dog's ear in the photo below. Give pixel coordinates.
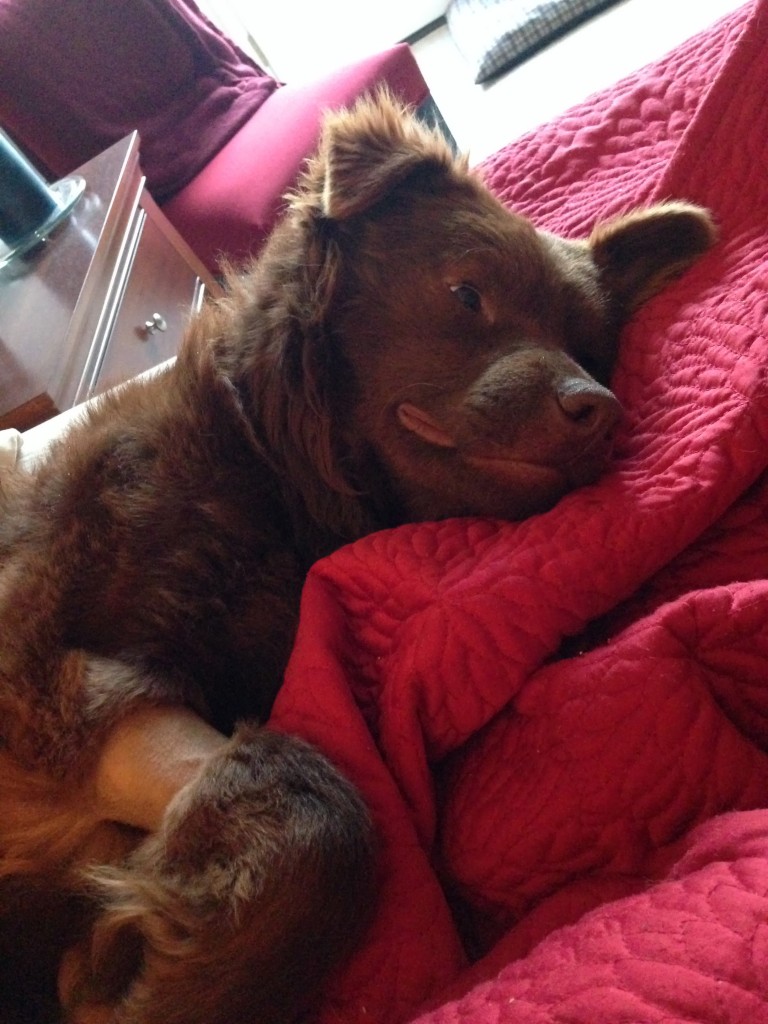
(276, 366)
(370, 149)
(639, 253)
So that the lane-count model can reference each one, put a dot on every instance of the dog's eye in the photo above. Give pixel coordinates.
(468, 296)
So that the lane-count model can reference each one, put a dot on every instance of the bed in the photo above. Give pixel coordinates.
(562, 725)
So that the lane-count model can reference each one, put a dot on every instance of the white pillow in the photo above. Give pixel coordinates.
(495, 34)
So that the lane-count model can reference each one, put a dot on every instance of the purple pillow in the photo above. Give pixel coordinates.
(77, 76)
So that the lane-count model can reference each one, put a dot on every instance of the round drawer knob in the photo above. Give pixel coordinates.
(155, 323)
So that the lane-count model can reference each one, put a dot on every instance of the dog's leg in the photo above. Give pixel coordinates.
(255, 885)
(64, 804)
(147, 758)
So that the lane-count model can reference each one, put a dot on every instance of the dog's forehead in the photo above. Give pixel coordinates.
(445, 233)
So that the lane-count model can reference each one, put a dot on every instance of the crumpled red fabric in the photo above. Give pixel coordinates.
(561, 726)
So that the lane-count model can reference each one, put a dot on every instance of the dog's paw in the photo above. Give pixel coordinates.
(261, 874)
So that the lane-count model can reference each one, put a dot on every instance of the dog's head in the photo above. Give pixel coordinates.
(441, 355)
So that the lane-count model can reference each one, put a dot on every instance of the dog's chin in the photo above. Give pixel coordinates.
(537, 486)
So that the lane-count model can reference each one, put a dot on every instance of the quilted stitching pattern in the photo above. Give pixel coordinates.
(565, 721)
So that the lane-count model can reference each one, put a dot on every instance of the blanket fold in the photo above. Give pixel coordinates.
(563, 723)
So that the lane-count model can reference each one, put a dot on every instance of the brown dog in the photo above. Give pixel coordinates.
(405, 348)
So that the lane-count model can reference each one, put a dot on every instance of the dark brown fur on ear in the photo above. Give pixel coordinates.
(367, 151)
(639, 253)
(288, 381)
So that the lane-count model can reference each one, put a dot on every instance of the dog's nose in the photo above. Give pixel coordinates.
(590, 407)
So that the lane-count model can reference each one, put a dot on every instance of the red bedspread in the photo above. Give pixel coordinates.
(606, 834)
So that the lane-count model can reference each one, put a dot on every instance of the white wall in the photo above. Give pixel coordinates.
(301, 38)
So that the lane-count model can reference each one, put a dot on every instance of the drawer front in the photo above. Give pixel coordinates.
(160, 293)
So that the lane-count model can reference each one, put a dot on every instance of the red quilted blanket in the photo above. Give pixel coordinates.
(561, 726)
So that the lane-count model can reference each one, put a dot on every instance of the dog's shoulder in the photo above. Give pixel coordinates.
(153, 438)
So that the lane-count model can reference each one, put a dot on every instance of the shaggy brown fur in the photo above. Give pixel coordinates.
(405, 348)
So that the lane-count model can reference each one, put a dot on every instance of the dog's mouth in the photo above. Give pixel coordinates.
(560, 467)
(556, 477)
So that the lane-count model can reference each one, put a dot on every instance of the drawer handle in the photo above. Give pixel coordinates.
(156, 323)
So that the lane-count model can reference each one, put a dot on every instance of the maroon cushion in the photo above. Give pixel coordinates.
(77, 76)
(233, 203)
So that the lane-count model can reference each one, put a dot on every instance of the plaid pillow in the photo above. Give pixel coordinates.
(496, 34)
